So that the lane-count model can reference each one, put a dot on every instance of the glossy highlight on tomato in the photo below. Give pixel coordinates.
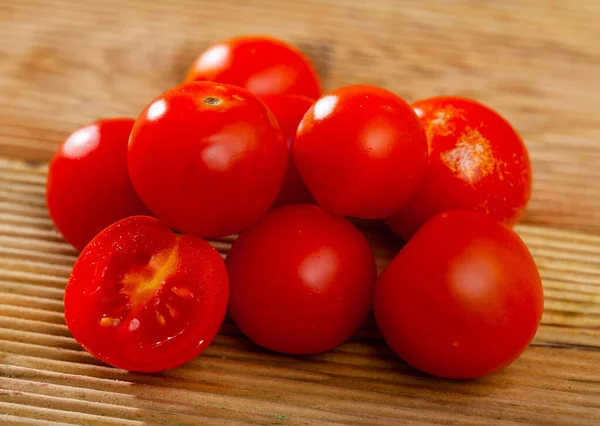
(462, 299)
(208, 159)
(289, 110)
(477, 161)
(301, 280)
(88, 186)
(361, 152)
(142, 298)
(263, 65)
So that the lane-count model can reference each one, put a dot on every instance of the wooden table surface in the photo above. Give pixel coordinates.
(66, 62)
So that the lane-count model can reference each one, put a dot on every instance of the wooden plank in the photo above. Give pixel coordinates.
(44, 374)
(64, 63)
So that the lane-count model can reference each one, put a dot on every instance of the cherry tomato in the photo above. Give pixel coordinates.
(88, 185)
(462, 299)
(361, 152)
(301, 280)
(142, 298)
(476, 162)
(208, 159)
(289, 110)
(263, 65)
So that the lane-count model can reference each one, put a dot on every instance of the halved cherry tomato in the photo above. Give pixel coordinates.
(289, 110)
(208, 159)
(88, 186)
(142, 298)
(361, 152)
(301, 280)
(462, 299)
(263, 65)
(477, 161)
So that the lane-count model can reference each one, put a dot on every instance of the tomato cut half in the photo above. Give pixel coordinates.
(142, 298)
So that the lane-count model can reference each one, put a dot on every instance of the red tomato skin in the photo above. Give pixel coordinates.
(263, 65)
(94, 291)
(289, 109)
(477, 161)
(88, 186)
(308, 294)
(361, 152)
(462, 299)
(207, 170)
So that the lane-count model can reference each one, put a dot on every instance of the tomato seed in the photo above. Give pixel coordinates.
(172, 310)
(107, 322)
(160, 318)
(182, 291)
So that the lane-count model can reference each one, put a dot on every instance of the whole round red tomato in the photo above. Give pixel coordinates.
(88, 186)
(476, 162)
(289, 110)
(462, 299)
(263, 65)
(301, 280)
(142, 298)
(361, 152)
(209, 159)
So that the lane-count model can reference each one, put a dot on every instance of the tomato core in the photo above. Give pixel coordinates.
(141, 285)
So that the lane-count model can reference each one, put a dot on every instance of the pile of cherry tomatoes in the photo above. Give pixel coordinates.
(248, 144)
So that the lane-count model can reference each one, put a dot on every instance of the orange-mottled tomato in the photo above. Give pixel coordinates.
(462, 299)
(142, 298)
(289, 110)
(88, 184)
(263, 65)
(477, 161)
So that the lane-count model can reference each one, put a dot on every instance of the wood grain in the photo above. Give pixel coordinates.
(45, 375)
(65, 62)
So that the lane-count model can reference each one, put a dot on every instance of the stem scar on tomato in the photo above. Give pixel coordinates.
(239, 148)
(210, 100)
